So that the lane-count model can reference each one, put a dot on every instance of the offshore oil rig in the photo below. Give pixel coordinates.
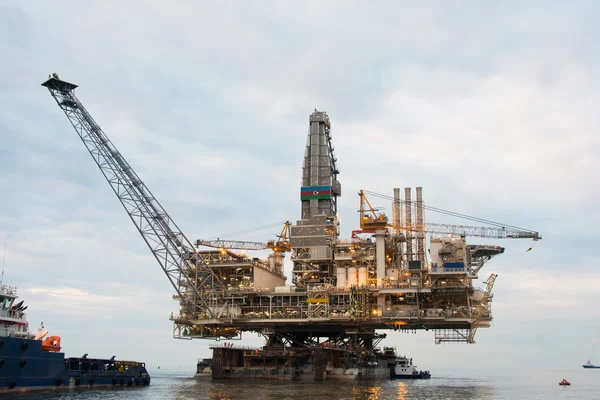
(344, 291)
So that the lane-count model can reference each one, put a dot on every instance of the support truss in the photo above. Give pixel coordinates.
(455, 336)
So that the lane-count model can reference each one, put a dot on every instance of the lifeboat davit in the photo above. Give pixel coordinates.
(564, 382)
(52, 343)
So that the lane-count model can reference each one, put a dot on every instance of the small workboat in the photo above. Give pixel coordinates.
(403, 368)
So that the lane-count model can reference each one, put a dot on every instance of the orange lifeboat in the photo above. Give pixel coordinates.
(564, 382)
(52, 343)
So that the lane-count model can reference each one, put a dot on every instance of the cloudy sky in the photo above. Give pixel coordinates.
(493, 109)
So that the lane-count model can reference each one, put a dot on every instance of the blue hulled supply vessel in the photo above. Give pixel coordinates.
(32, 361)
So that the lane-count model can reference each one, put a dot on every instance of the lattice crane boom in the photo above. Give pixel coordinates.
(467, 230)
(496, 231)
(195, 283)
(281, 245)
(232, 244)
(490, 284)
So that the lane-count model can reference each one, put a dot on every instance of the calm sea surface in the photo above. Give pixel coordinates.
(536, 384)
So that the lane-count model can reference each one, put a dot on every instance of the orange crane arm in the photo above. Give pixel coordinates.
(378, 221)
(281, 245)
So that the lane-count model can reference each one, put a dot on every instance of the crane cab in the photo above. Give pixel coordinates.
(369, 218)
(378, 222)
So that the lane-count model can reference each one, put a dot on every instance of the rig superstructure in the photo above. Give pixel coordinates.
(344, 290)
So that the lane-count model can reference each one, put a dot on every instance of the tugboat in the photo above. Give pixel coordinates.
(403, 368)
(30, 361)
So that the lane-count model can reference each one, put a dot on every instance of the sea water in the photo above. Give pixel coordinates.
(455, 384)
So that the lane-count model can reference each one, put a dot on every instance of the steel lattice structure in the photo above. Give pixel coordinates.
(467, 230)
(344, 290)
(232, 244)
(495, 231)
(195, 283)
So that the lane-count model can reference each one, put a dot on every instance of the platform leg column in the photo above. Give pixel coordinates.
(320, 364)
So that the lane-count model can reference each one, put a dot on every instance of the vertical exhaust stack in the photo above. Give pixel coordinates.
(397, 231)
(409, 236)
(420, 234)
(397, 213)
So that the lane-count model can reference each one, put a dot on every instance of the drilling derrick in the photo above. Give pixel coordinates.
(312, 237)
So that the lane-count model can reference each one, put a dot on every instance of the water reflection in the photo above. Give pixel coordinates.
(169, 386)
(451, 389)
(365, 392)
(401, 391)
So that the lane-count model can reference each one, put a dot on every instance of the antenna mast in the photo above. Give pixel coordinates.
(3, 259)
